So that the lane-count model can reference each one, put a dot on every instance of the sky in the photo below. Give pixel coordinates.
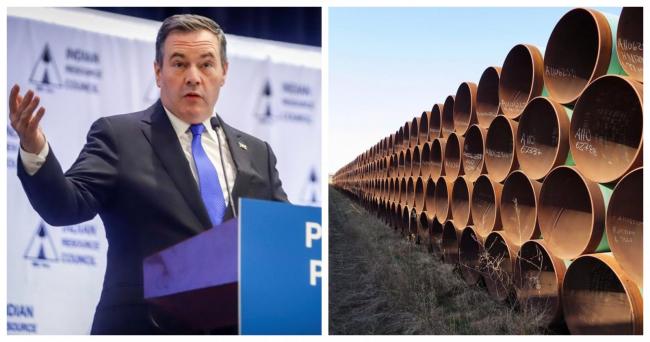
(387, 65)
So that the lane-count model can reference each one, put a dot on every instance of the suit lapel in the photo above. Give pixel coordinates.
(242, 163)
(162, 137)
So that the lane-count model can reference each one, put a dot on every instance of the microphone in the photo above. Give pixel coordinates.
(214, 122)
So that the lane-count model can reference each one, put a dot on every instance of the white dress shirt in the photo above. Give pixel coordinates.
(33, 162)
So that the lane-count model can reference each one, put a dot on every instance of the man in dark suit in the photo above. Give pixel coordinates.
(155, 177)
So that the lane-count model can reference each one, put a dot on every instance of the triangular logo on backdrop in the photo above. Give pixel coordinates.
(310, 193)
(45, 74)
(263, 106)
(41, 250)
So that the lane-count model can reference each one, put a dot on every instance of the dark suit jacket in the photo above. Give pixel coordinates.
(133, 173)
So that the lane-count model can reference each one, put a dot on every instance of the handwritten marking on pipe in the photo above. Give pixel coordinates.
(561, 72)
(625, 229)
(499, 154)
(528, 145)
(472, 160)
(516, 103)
(583, 135)
(629, 45)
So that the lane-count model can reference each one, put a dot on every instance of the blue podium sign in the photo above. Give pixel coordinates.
(280, 268)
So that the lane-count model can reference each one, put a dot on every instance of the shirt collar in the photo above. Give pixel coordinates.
(181, 127)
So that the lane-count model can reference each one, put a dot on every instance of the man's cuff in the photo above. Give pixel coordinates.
(32, 162)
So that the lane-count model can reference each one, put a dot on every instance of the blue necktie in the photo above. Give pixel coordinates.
(208, 179)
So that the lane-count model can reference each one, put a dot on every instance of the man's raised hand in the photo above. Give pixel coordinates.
(24, 121)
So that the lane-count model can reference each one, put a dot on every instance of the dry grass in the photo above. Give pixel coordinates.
(380, 283)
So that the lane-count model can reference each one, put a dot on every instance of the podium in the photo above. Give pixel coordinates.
(260, 272)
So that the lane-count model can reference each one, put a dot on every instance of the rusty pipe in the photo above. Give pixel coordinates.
(448, 117)
(425, 121)
(461, 194)
(521, 79)
(402, 191)
(449, 243)
(435, 232)
(400, 164)
(500, 157)
(406, 220)
(419, 194)
(519, 207)
(470, 251)
(572, 213)
(542, 141)
(485, 204)
(429, 198)
(415, 131)
(538, 281)
(398, 217)
(407, 135)
(425, 160)
(629, 41)
(438, 157)
(408, 162)
(442, 198)
(424, 232)
(414, 218)
(416, 161)
(487, 96)
(435, 125)
(624, 224)
(452, 161)
(578, 51)
(473, 158)
(599, 298)
(410, 192)
(607, 128)
(464, 111)
(499, 264)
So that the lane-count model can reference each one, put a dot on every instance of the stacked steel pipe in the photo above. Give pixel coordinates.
(531, 181)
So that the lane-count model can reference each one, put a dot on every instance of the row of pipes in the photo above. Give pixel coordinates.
(531, 181)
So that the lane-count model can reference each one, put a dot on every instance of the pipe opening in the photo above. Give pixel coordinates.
(519, 208)
(470, 249)
(500, 156)
(464, 107)
(624, 224)
(442, 200)
(424, 127)
(435, 124)
(572, 53)
(460, 202)
(484, 205)
(449, 243)
(437, 156)
(542, 142)
(607, 128)
(521, 79)
(538, 281)
(473, 152)
(448, 116)
(452, 161)
(487, 96)
(566, 215)
(629, 41)
(595, 300)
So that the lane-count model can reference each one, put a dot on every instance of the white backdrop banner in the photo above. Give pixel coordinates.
(55, 274)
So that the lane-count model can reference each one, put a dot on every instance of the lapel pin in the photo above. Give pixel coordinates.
(243, 146)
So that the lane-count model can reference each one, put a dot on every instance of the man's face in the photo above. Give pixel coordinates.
(191, 74)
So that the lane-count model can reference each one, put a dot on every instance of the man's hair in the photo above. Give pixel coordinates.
(189, 23)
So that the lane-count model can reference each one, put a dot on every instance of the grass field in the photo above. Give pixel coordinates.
(380, 283)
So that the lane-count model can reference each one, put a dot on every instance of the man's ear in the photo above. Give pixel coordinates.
(157, 69)
(225, 73)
